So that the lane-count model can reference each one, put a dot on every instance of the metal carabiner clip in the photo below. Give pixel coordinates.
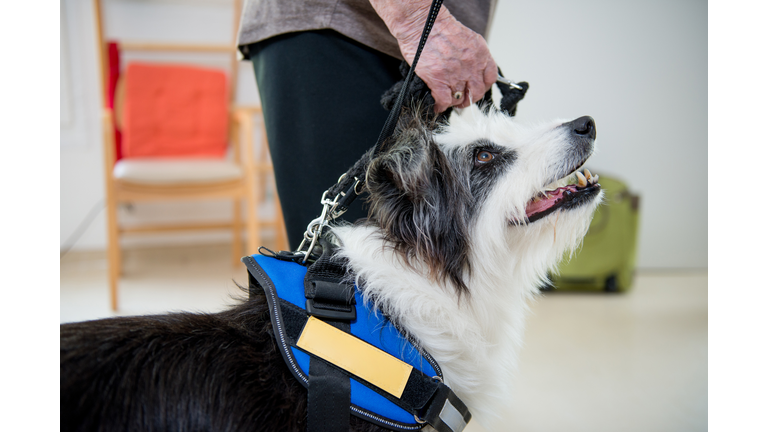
(315, 227)
(501, 79)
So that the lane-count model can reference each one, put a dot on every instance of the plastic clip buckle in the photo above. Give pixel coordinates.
(334, 314)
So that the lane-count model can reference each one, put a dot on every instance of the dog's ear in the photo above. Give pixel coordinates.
(415, 196)
(402, 166)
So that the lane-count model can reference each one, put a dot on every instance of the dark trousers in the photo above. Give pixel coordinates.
(320, 93)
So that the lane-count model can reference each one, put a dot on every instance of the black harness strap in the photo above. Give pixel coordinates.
(329, 294)
(333, 300)
(328, 394)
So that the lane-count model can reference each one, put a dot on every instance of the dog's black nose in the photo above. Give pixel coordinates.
(584, 126)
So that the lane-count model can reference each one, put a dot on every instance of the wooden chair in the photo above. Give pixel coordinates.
(243, 178)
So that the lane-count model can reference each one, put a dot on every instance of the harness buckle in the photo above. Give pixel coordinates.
(332, 312)
(330, 299)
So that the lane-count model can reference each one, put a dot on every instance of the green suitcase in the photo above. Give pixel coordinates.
(606, 261)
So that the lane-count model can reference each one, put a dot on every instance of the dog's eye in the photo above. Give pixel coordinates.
(484, 156)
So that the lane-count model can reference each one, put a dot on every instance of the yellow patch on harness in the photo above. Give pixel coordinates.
(355, 356)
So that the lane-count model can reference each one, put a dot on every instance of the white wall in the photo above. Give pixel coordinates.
(638, 67)
(81, 158)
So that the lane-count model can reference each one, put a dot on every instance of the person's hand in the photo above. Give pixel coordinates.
(455, 64)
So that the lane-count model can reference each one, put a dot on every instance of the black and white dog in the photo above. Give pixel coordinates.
(466, 220)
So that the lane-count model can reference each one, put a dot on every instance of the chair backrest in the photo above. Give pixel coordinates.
(136, 114)
(111, 66)
(174, 111)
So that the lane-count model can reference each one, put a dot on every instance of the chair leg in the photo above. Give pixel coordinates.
(237, 232)
(113, 253)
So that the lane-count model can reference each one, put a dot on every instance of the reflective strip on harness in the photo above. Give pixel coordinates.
(355, 356)
(452, 417)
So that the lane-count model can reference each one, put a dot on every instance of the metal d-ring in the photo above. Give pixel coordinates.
(317, 223)
(357, 182)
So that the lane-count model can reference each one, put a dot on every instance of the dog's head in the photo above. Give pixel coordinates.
(482, 187)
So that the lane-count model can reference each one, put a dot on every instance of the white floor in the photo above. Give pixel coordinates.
(592, 362)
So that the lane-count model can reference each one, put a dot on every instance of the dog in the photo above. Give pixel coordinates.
(467, 217)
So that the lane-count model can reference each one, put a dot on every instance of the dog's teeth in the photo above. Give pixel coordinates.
(582, 179)
(595, 178)
(587, 174)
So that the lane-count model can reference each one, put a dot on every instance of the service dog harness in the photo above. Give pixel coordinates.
(349, 356)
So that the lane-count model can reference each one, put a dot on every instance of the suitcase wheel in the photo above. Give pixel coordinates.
(611, 284)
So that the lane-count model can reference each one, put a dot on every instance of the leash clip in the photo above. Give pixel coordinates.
(501, 79)
(345, 198)
(315, 227)
(332, 209)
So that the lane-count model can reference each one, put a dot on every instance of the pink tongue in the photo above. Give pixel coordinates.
(534, 207)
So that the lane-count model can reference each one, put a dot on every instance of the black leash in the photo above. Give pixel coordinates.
(394, 114)
(349, 186)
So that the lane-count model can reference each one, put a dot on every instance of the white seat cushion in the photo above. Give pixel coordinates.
(166, 171)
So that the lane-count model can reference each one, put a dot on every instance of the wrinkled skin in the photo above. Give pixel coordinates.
(455, 58)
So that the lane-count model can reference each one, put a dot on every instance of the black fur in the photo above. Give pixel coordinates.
(482, 176)
(181, 372)
(425, 200)
(413, 192)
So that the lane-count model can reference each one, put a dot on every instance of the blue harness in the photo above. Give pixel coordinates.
(294, 300)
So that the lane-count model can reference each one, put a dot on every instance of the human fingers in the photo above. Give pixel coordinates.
(475, 90)
(444, 97)
(454, 64)
(480, 83)
(491, 74)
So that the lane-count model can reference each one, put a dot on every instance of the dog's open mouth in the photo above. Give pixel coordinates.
(569, 192)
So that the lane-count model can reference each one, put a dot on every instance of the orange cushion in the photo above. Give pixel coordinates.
(174, 111)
